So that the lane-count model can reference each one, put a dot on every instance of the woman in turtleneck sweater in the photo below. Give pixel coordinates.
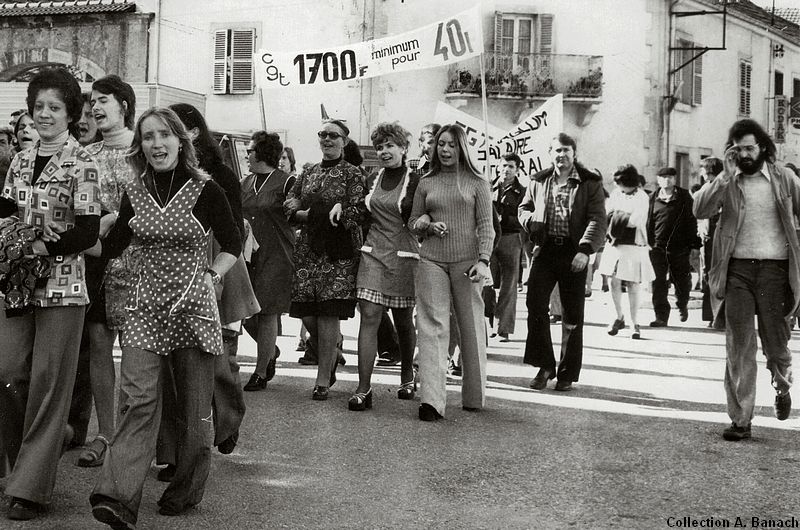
(54, 187)
(453, 213)
(328, 201)
(171, 207)
(113, 106)
(388, 260)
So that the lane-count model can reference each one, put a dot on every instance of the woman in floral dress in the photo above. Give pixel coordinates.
(328, 201)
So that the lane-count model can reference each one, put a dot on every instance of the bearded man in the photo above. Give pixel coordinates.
(755, 267)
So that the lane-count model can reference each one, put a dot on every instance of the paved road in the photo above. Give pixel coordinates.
(637, 443)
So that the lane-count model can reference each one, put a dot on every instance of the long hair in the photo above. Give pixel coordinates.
(207, 149)
(292, 161)
(187, 158)
(742, 128)
(465, 162)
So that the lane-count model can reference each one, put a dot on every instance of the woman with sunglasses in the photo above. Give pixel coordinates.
(453, 214)
(271, 269)
(328, 201)
(626, 256)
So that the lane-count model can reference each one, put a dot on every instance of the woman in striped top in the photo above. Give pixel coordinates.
(452, 212)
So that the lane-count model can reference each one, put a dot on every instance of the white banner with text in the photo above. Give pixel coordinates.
(530, 140)
(454, 39)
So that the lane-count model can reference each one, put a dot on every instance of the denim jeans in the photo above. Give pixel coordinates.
(439, 285)
(134, 444)
(756, 288)
(552, 266)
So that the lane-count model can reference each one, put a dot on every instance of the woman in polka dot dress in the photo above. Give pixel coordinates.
(171, 209)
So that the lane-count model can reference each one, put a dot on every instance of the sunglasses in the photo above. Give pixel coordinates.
(329, 134)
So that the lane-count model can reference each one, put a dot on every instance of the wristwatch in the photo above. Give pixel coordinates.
(215, 277)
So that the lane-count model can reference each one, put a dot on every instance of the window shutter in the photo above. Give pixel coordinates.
(498, 39)
(697, 86)
(242, 49)
(745, 74)
(545, 34)
(220, 61)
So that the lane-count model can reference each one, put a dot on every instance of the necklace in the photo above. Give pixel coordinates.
(256, 187)
(169, 192)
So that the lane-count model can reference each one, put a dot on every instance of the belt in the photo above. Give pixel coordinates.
(559, 240)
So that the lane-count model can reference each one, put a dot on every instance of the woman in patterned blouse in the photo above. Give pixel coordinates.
(52, 186)
(328, 201)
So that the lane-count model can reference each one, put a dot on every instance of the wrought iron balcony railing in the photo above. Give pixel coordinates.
(526, 75)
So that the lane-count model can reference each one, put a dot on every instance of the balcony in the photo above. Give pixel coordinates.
(530, 76)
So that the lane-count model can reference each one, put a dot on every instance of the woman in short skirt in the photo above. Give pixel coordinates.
(626, 257)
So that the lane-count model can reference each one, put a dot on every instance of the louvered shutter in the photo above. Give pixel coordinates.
(545, 34)
(745, 74)
(242, 49)
(220, 61)
(697, 86)
(498, 38)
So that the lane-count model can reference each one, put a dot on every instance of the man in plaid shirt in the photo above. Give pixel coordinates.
(564, 215)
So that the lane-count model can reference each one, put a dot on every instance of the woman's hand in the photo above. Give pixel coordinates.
(422, 224)
(290, 206)
(51, 232)
(335, 214)
(478, 272)
(106, 222)
(438, 228)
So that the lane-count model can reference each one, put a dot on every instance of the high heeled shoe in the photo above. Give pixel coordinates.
(407, 390)
(320, 393)
(360, 401)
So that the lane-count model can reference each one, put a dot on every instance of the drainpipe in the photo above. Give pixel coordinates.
(667, 100)
(157, 44)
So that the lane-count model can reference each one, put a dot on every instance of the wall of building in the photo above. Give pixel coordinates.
(702, 130)
(95, 45)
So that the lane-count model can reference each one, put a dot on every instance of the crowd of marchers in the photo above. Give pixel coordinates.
(116, 229)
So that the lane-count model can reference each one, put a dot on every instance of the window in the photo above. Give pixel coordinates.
(778, 83)
(796, 88)
(518, 36)
(745, 74)
(233, 61)
(690, 77)
(684, 168)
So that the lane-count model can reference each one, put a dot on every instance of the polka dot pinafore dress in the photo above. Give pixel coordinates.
(170, 305)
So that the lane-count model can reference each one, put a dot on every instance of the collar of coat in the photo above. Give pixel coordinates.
(584, 174)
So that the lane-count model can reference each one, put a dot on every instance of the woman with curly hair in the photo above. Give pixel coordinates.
(453, 214)
(271, 268)
(53, 188)
(328, 201)
(388, 260)
(170, 207)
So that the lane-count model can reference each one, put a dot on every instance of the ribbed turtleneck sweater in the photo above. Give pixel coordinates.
(464, 203)
(119, 139)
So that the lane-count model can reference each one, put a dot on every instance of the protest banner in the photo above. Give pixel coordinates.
(441, 43)
(530, 140)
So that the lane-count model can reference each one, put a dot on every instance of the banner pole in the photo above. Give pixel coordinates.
(485, 118)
